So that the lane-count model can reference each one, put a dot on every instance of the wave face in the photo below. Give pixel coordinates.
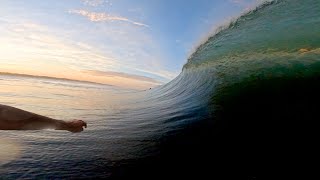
(250, 92)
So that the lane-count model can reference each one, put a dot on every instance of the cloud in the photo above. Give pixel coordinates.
(30, 45)
(122, 75)
(236, 1)
(32, 49)
(104, 17)
(94, 3)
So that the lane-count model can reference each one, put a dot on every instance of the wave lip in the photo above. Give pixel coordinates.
(275, 26)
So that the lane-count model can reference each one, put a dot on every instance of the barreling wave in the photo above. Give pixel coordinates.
(245, 92)
(277, 40)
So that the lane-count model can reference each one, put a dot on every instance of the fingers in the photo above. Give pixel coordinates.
(76, 126)
(82, 123)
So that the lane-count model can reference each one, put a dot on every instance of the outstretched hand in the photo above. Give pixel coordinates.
(75, 125)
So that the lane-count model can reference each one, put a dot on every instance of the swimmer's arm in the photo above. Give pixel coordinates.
(16, 119)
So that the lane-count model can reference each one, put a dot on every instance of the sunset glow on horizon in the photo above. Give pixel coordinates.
(123, 43)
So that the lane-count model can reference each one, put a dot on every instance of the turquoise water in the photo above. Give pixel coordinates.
(244, 104)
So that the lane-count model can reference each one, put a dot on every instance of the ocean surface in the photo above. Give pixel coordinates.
(244, 106)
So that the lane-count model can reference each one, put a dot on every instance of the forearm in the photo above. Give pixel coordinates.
(12, 118)
(35, 122)
(41, 122)
(17, 119)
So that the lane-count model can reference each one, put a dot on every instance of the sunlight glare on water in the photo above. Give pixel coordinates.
(10, 150)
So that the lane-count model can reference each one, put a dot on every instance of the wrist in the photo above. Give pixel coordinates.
(61, 125)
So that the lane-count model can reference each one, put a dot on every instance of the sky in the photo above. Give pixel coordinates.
(134, 44)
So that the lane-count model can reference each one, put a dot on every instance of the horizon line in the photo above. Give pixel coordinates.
(52, 78)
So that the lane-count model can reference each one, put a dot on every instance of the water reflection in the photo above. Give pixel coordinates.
(9, 150)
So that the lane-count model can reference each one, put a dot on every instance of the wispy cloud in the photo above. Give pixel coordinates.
(24, 44)
(93, 2)
(104, 17)
(236, 1)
